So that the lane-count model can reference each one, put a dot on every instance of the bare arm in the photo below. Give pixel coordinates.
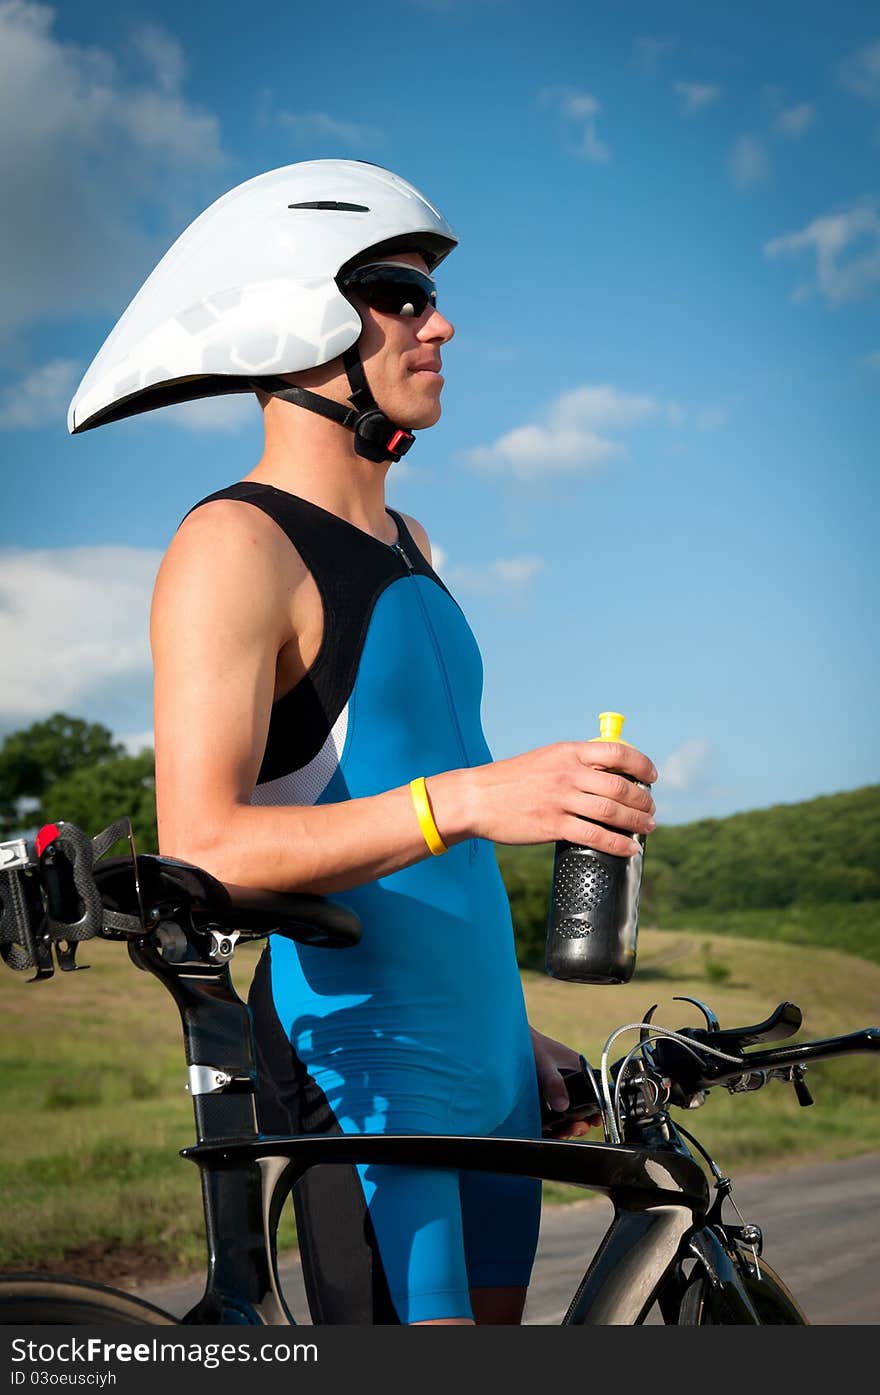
(220, 616)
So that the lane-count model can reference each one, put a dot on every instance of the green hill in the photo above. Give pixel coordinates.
(806, 873)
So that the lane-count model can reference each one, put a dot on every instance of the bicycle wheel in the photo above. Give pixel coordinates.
(30, 1300)
(774, 1304)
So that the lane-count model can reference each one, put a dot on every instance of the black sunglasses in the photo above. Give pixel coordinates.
(392, 288)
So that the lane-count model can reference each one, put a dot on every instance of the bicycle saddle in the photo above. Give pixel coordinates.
(169, 888)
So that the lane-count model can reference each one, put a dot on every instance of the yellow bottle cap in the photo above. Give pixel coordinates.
(610, 727)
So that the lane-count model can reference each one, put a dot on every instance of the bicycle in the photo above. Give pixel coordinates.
(667, 1243)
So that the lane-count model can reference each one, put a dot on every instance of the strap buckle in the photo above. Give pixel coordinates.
(400, 443)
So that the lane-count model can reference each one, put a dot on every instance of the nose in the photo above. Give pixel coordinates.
(436, 329)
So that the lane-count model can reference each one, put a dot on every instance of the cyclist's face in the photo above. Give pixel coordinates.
(402, 357)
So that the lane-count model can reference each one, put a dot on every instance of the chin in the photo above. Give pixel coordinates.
(423, 412)
(413, 409)
(428, 416)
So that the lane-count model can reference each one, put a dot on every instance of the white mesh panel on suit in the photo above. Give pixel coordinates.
(306, 785)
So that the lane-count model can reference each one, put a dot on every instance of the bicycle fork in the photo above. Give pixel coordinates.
(639, 1262)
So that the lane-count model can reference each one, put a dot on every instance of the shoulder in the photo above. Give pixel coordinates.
(234, 522)
(231, 532)
(225, 555)
(420, 536)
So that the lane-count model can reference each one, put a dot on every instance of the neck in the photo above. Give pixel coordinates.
(307, 455)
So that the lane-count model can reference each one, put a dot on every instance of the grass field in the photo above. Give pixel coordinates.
(94, 1107)
(850, 926)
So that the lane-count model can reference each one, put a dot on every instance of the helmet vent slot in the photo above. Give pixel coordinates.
(329, 205)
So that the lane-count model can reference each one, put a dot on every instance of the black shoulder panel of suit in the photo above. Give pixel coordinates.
(351, 569)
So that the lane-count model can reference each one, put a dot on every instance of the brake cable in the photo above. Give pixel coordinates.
(660, 1031)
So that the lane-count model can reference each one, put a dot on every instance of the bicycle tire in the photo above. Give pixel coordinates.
(773, 1302)
(31, 1300)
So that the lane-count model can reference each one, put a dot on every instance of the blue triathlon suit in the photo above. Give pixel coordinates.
(421, 1027)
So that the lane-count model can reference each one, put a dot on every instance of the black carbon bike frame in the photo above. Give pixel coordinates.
(667, 1243)
(661, 1197)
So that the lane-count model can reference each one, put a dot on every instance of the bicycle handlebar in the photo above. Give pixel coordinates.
(784, 1057)
(692, 1072)
(682, 1075)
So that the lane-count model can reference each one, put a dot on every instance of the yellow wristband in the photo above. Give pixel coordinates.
(422, 806)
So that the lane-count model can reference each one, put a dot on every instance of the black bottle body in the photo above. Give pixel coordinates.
(592, 930)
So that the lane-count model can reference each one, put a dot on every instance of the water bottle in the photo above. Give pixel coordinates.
(594, 903)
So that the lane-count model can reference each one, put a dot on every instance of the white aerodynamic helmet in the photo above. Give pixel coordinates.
(249, 290)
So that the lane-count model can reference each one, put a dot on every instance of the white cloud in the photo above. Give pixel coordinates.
(788, 121)
(846, 247)
(505, 576)
(793, 121)
(568, 437)
(860, 73)
(508, 576)
(591, 147)
(694, 96)
(74, 629)
(603, 407)
(163, 55)
(650, 52)
(306, 127)
(686, 765)
(579, 111)
(97, 137)
(529, 451)
(517, 570)
(748, 163)
(40, 397)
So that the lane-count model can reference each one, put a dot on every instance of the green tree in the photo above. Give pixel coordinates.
(98, 795)
(528, 874)
(35, 758)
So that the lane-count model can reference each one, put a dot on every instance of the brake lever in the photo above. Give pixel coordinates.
(712, 1023)
(645, 1033)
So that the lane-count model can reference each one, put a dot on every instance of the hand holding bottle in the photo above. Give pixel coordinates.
(594, 901)
(590, 793)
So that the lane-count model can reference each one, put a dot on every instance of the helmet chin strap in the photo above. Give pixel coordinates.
(376, 436)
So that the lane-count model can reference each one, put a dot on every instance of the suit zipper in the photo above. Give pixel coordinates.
(438, 654)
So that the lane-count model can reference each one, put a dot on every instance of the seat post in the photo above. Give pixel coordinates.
(218, 1037)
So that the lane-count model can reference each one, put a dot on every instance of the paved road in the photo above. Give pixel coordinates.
(821, 1233)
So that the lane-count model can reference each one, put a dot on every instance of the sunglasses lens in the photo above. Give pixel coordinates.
(393, 299)
(393, 290)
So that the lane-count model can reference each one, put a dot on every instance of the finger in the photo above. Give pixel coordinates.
(553, 1088)
(592, 835)
(617, 788)
(600, 809)
(576, 1128)
(614, 755)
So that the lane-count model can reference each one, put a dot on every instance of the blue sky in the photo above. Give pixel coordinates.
(654, 485)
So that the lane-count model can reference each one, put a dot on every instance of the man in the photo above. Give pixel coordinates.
(317, 711)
